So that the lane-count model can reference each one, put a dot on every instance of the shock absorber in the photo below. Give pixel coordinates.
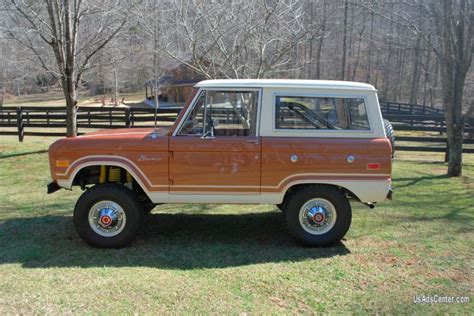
(114, 174)
(103, 174)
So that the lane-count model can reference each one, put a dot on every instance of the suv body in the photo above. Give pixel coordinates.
(283, 142)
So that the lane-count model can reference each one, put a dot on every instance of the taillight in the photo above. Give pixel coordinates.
(373, 166)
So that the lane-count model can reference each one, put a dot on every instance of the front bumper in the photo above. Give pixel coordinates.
(53, 187)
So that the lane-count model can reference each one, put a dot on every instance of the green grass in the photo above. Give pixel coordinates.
(236, 259)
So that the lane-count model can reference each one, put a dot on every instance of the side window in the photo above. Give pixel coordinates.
(357, 114)
(223, 113)
(320, 113)
(194, 123)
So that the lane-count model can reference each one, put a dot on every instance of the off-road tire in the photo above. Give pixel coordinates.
(111, 192)
(342, 207)
(390, 134)
(281, 207)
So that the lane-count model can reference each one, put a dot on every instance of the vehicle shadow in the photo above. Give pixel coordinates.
(416, 180)
(168, 241)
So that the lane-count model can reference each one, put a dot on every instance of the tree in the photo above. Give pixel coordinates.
(344, 42)
(59, 25)
(454, 20)
(449, 36)
(243, 39)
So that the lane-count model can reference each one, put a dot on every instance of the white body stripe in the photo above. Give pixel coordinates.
(366, 190)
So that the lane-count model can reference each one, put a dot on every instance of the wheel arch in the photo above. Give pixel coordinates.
(364, 190)
(297, 185)
(76, 173)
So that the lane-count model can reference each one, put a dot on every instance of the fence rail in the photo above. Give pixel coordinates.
(404, 117)
(407, 108)
(87, 117)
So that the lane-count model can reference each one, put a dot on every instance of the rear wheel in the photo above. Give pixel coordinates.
(108, 216)
(318, 215)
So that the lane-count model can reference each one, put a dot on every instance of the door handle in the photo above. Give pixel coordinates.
(253, 141)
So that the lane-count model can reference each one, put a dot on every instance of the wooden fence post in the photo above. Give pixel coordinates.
(19, 123)
(127, 117)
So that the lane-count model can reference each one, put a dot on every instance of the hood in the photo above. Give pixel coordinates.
(112, 141)
(127, 132)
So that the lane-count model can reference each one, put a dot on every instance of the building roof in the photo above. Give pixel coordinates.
(169, 81)
(261, 83)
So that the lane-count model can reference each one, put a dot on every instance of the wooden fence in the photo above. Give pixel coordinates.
(49, 118)
(29, 121)
(432, 129)
(407, 108)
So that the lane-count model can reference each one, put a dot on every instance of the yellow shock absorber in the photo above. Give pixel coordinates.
(129, 177)
(103, 174)
(114, 174)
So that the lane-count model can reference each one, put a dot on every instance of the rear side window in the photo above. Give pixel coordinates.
(293, 112)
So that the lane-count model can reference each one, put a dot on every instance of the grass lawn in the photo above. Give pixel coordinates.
(237, 259)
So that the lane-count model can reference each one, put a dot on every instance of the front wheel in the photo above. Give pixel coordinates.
(318, 215)
(108, 216)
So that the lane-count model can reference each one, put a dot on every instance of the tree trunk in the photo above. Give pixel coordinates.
(4, 91)
(320, 44)
(344, 43)
(70, 95)
(416, 72)
(434, 84)
(369, 55)
(71, 122)
(455, 141)
(455, 62)
(115, 86)
(427, 77)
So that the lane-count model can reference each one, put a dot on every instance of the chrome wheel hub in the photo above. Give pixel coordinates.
(107, 218)
(317, 216)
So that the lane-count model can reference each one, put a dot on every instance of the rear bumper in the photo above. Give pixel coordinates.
(53, 187)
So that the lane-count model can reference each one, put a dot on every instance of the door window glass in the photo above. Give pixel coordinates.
(223, 113)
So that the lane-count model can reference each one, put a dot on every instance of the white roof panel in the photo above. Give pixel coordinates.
(291, 83)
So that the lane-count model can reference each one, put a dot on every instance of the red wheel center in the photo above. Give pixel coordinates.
(106, 220)
(318, 218)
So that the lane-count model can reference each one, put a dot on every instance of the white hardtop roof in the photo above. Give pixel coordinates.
(290, 83)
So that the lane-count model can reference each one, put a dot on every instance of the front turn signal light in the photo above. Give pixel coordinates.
(62, 163)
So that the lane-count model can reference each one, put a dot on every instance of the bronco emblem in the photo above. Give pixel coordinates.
(148, 158)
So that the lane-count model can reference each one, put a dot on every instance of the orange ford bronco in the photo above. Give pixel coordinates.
(306, 146)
